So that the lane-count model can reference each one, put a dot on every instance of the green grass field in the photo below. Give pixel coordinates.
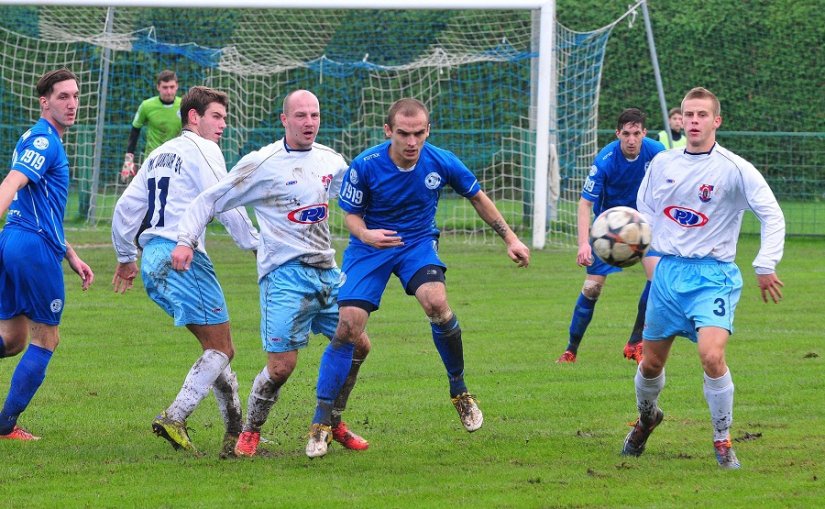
(552, 433)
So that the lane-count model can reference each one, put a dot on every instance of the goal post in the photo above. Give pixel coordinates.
(512, 92)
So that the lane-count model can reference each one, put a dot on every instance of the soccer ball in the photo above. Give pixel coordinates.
(620, 236)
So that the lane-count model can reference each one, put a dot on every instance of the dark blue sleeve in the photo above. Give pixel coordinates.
(354, 195)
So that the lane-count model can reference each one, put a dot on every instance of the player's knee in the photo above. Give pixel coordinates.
(592, 289)
(362, 346)
(713, 362)
(440, 315)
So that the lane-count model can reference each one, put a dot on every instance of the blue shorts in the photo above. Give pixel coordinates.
(191, 297)
(689, 293)
(367, 269)
(297, 299)
(31, 277)
(600, 268)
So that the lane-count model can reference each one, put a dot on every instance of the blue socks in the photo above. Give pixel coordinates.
(636, 335)
(582, 314)
(447, 339)
(332, 373)
(27, 377)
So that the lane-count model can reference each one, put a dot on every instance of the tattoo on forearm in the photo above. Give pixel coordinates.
(500, 227)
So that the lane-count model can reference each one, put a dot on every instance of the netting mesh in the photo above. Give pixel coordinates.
(474, 69)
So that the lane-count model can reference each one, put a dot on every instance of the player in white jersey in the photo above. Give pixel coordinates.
(148, 213)
(694, 200)
(288, 183)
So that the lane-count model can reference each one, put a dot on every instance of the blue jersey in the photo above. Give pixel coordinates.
(613, 180)
(404, 201)
(39, 206)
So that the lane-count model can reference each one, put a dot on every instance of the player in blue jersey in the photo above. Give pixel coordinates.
(694, 200)
(390, 195)
(32, 246)
(613, 180)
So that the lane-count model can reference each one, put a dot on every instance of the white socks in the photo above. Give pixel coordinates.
(264, 394)
(647, 393)
(196, 386)
(226, 394)
(719, 395)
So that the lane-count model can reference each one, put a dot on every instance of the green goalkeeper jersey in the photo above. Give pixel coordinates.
(162, 121)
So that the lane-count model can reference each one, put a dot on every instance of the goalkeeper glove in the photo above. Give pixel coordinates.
(128, 169)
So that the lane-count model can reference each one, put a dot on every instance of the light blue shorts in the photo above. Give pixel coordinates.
(191, 297)
(31, 277)
(367, 269)
(689, 293)
(297, 299)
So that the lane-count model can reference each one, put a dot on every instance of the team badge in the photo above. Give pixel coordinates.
(432, 181)
(40, 143)
(593, 170)
(56, 305)
(325, 180)
(353, 177)
(704, 192)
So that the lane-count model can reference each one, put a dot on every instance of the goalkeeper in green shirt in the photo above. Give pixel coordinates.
(161, 115)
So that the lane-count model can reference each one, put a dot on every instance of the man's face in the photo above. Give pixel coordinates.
(60, 107)
(301, 120)
(701, 123)
(675, 122)
(407, 137)
(630, 139)
(211, 124)
(167, 90)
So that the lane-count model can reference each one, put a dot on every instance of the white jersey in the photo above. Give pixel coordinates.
(695, 204)
(170, 178)
(289, 190)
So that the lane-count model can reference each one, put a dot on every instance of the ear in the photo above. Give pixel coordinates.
(387, 130)
(717, 122)
(283, 119)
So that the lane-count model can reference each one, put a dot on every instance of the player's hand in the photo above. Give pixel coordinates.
(182, 257)
(381, 239)
(127, 171)
(519, 253)
(125, 274)
(585, 255)
(84, 271)
(769, 284)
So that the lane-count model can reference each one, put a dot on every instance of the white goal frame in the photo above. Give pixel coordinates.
(543, 97)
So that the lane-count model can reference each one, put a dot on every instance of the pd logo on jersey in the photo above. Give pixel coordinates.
(704, 192)
(309, 214)
(686, 217)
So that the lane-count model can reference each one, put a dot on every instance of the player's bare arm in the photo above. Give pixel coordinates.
(13, 182)
(486, 210)
(769, 284)
(80, 267)
(584, 257)
(378, 238)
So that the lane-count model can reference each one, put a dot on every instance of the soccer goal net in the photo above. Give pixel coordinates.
(475, 69)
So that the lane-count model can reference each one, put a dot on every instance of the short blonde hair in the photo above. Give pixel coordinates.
(703, 93)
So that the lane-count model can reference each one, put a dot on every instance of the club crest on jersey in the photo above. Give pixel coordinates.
(325, 180)
(309, 214)
(353, 177)
(432, 181)
(56, 305)
(41, 143)
(704, 192)
(686, 217)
